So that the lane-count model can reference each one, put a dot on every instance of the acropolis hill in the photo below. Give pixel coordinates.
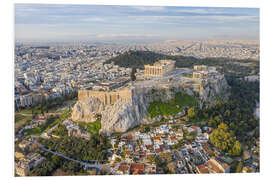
(159, 68)
(127, 106)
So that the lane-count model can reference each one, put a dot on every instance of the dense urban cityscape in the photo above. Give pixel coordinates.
(116, 90)
(47, 74)
(60, 68)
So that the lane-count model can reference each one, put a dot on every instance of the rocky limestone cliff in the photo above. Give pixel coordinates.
(120, 117)
(86, 109)
(213, 90)
(127, 113)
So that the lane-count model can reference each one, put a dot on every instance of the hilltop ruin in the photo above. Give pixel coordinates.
(126, 107)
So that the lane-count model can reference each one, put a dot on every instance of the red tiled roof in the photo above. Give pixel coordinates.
(157, 150)
(223, 164)
(128, 152)
(214, 166)
(157, 137)
(137, 171)
(130, 137)
(113, 165)
(138, 166)
(162, 146)
(203, 168)
(48, 93)
(123, 167)
(204, 171)
(39, 118)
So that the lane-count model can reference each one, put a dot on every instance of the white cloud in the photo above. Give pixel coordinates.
(124, 35)
(234, 18)
(149, 8)
(197, 18)
(199, 11)
(93, 19)
(208, 11)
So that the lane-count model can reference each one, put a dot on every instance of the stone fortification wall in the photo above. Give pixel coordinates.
(106, 97)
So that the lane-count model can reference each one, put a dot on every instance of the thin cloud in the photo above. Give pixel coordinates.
(149, 8)
(93, 19)
(74, 21)
(205, 11)
(124, 35)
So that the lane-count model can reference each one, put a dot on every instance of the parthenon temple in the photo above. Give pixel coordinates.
(159, 68)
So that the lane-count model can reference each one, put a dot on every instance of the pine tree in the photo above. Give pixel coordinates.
(132, 74)
(236, 149)
(191, 112)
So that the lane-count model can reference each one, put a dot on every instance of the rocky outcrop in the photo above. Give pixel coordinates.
(213, 90)
(86, 109)
(119, 117)
(127, 113)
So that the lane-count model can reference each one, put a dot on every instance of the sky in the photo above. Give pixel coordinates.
(42, 22)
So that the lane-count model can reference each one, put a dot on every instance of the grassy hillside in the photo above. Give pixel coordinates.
(136, 58)
(140, 58)
(175, 106)
(93, 127)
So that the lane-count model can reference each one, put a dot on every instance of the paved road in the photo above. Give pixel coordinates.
(95, 163)
(24, 114)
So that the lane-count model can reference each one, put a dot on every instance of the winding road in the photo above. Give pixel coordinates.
(95, 163)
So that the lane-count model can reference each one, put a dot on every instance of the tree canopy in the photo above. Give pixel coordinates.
(132, 74)
(225, 140)
(228, 66)
(191, 112)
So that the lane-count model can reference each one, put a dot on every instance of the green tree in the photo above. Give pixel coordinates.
(55, 159)
(239, 167)
(132, 74)
(117, 159)
(191, 112)
(236, 149)
(225, 140)
(217, 119)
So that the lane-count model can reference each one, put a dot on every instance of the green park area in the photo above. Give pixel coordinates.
(187, 75)
(24, 117)
(92, 127)
(52, 121)
(173, 107)
(21, 120)
(60, 131)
